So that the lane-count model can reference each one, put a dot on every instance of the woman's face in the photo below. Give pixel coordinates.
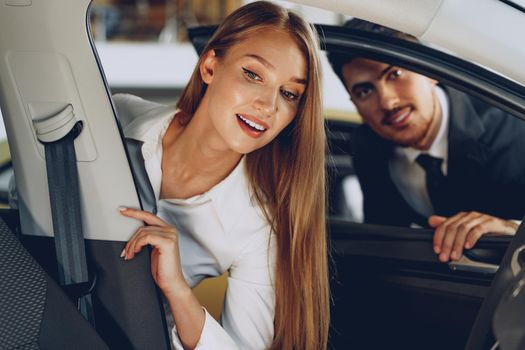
(254, 89)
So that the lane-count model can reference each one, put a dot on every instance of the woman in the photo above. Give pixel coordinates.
(238, 173)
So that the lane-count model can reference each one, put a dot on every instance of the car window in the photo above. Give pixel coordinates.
(475, 146)
(157, 31)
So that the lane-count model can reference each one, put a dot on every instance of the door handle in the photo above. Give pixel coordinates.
(468, 265)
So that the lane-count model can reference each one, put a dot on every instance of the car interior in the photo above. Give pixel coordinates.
(388, 288)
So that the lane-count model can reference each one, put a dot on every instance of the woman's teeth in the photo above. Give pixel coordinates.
(252, 124)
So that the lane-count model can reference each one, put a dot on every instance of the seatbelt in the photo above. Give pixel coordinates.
(64, 196)
(140, 175)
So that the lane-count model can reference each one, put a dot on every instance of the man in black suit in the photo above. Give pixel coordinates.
(432, 155)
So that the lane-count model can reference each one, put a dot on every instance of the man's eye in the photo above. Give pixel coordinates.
(251, 75)
(362, 92)
(396, 73)
(289, 95)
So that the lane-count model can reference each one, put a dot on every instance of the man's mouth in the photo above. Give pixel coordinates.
(399, 117)
(251, 125)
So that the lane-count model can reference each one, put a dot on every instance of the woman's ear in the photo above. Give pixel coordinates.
(207, 66)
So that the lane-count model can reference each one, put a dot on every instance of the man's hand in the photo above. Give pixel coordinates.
(463, 231)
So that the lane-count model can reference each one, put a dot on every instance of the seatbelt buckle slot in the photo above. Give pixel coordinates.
(57, 126)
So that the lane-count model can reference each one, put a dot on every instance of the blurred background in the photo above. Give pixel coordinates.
(144, 47)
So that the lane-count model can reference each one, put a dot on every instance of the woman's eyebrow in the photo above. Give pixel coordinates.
(299, 81)
(268, 65)
(263, 61)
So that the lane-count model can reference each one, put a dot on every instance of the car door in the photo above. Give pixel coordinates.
(389, 289)
(50, 65)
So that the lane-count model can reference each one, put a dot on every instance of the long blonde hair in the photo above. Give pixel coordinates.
(287, 177)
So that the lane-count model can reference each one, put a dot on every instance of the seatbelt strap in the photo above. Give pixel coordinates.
(64, 195)
(140, 175)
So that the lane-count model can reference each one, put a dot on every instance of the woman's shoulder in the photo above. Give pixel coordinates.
(137, 115)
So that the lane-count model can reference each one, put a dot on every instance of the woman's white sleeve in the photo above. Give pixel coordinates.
(249, 308)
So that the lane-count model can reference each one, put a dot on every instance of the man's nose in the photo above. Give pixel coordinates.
(266, 102)
(388, 98)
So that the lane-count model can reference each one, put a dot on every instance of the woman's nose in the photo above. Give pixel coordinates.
(266, 102)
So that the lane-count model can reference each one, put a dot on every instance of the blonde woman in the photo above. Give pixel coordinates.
(238, 173)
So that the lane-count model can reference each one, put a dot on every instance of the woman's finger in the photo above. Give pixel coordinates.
(163, 244)
(132, 247)
(147, 217)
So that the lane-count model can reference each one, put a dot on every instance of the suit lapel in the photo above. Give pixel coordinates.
(467, 156)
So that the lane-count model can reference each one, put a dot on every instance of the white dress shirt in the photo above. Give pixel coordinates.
(220, 230)
(408, 176)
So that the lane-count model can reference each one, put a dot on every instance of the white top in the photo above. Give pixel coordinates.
(408, 175)
(220, 230)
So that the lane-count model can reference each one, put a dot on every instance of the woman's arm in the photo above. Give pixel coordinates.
(166, 269)
(249, 307)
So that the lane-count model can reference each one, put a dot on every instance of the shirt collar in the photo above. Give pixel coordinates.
(149, 124)
(439, 147)
(229, 198)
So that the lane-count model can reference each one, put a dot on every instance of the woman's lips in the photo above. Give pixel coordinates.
(252, 126)
(399, 118)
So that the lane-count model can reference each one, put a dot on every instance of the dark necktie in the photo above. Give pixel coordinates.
(436, 182)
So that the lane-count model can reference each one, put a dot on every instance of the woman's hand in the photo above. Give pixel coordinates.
(165, 258)
(463, 230)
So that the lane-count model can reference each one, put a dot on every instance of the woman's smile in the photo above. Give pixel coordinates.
(252, 126)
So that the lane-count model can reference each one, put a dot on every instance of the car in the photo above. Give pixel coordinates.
(389, 289)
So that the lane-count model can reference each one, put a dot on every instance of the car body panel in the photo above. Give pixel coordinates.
(451, 24)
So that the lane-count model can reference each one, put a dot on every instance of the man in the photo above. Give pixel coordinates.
(432, 155)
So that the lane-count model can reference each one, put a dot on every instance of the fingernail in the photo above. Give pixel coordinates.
(467, 245)
(123, 254)
(436, 249)
(122, 208)
(453, 255)
(443, 257)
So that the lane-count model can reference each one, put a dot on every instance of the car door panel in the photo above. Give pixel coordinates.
(390, 290)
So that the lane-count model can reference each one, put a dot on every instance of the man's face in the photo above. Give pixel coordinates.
(399, 105)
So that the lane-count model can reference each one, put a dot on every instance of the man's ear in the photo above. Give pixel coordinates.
(207, 66)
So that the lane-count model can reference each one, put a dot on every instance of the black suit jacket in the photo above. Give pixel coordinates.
(485, 168)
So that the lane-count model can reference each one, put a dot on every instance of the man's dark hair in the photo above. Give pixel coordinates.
(337, 59)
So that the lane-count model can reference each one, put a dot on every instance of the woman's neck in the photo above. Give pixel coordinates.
(195, 158)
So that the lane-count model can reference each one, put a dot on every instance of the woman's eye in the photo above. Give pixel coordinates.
(251, 75)
(396, 73)
(289, 95)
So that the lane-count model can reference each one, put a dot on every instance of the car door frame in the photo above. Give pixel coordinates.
(407, 245)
